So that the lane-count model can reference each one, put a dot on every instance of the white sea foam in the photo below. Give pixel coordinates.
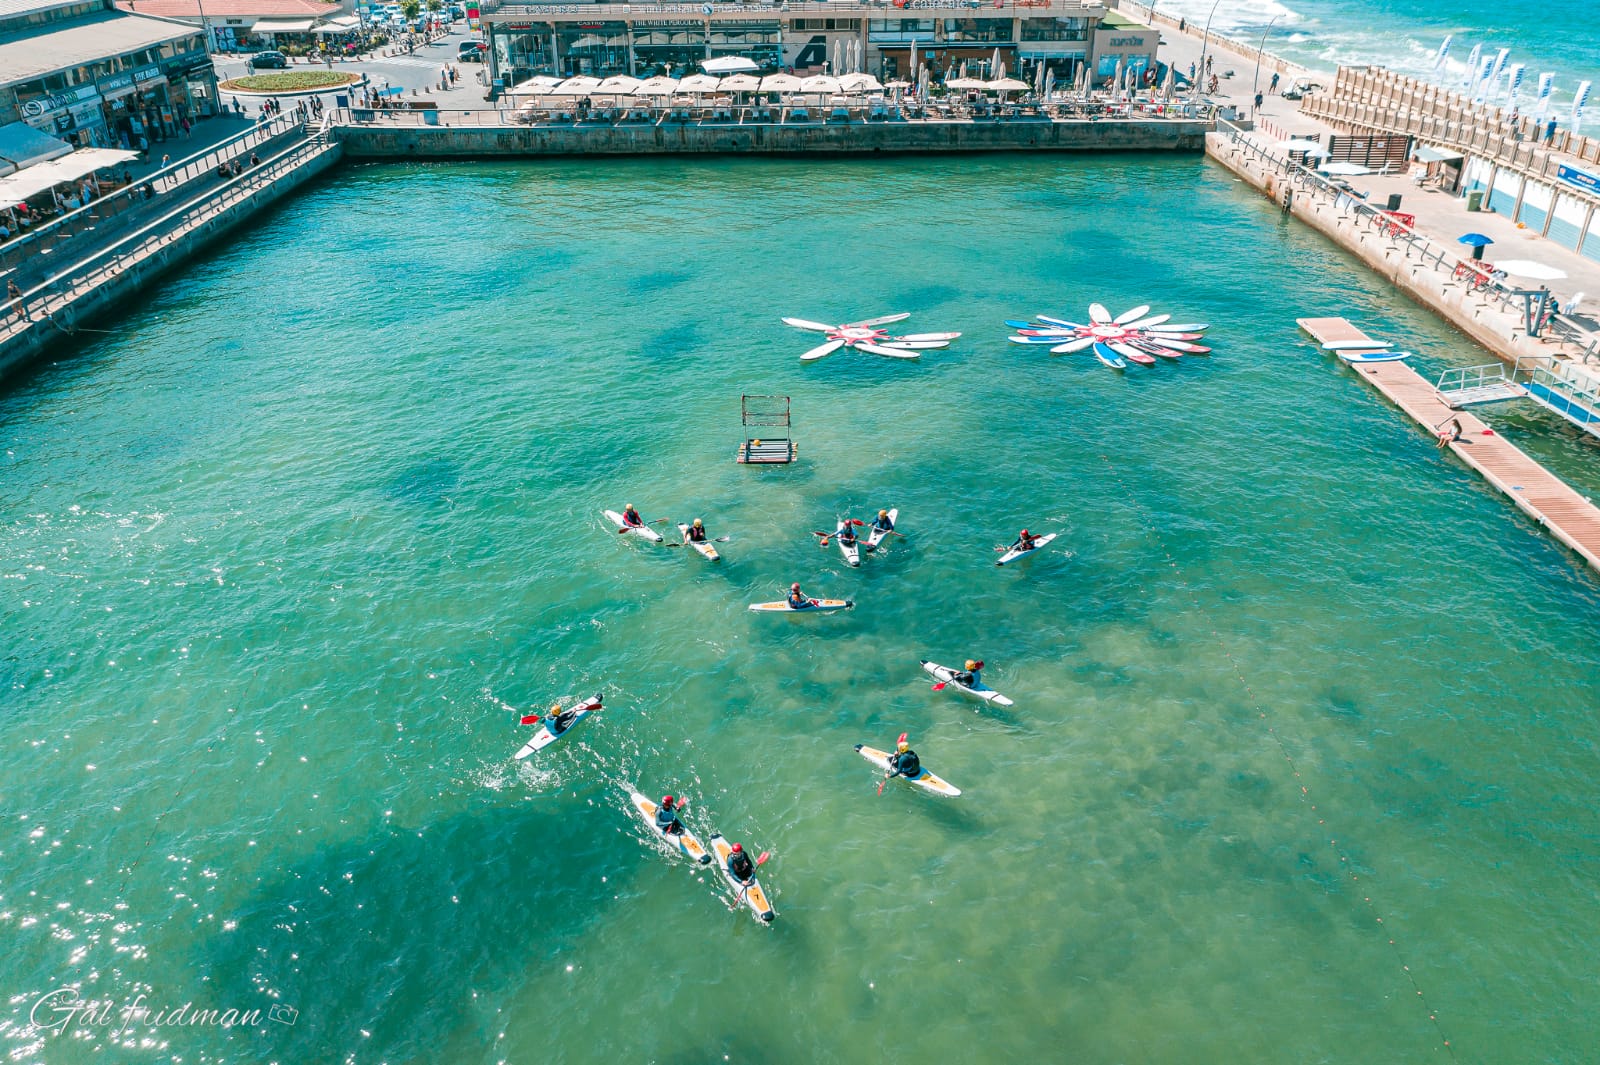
(1243, 15)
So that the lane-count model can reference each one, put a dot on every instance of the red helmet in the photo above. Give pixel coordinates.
(1024, 532)
(667, 801)
(795, 587)
(738, 848)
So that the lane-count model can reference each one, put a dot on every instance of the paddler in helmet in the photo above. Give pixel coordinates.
(630, 517)
(695, 534)
(797, 599)
(1025, 541)
(740, 865)
(904, 762)
(883, 523)
(560, 720)
(846, 533)
(667, 822)
(969, 675)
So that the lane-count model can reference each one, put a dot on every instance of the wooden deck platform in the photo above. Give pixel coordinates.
(1540, 494)
(767, 451)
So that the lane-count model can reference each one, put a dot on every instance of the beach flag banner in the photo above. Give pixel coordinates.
(1541, 103)
(1498, 69)
(1480, 84)
(1578, 101)
(1472, 67)
(1514, 84)
(1444, 53)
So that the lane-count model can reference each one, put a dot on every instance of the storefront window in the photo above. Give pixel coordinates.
(1055, 29)
(977, 29)
(900, 30)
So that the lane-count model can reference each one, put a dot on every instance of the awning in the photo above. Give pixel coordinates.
(1428, 154)
(282, 25)
(342, 24)
(45, 176)
(23, 145)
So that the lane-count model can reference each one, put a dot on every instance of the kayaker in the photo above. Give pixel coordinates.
(904, 762)
(883, 523)
(667, 816)
(740, 865)
(846, 534)
(559, 719)
(969, 676)
(630, 517)
(695, 534)
(1025, 542)
(797, 599)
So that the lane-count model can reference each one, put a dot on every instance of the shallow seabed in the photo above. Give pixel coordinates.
(1302, 756)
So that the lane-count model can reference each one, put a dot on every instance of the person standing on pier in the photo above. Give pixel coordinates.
(14, 296)
(1272, 86)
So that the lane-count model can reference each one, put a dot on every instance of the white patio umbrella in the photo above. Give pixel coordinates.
(539, 85)
(1007, 85)
(740, 83)
(966, 83)
(657, 86)
(1529, 269)
(860, 83)
(1170, 86)
(780, 83)
(820, 83)
(730, 64)
(1345, 169)
(582, 85)
(911, 63)
(699, 83)
(620, 84)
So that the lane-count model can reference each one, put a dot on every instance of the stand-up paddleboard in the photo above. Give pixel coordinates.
(643, 530)
(1062, 322)
(1072, 346)
(685, 841)
(704, 547)
(544, 737)
(1373, 356)
(851, 551)
(752, 894)
(1128, 351)
(1014, 554)
(875, 537)
(818, 606)
(924, 779)
(977, 691)
(1109, 357)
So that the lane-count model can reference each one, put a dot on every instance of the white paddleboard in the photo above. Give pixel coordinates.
(818, 606)
(1014, 554)
(685, 841)
(977, 691)
(544, 737)
(924, 779)
(642, 530)
(754, 897)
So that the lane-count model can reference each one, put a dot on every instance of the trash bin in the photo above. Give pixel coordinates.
(1475, 200)
(430, 118)
(1394, 202)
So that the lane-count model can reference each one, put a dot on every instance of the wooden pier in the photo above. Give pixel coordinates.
(1540, 494)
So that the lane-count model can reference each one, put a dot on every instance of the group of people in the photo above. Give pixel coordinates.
(740, 864)
(230, 168)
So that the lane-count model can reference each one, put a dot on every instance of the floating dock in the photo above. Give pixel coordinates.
(1536, 491)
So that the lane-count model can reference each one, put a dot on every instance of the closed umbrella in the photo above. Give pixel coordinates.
(838, 50)
(1049, 83)
(1529, 269)
(995, 70)
(1476, 241)
(1345, 169)
(1169, 86)
(911, 63)
(1116, 80)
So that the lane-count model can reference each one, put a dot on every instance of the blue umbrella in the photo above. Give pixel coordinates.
(1477, 241)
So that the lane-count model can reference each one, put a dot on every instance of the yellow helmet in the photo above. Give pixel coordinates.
(971, 664)
(903, 746)
(883, 513)
(697, 523)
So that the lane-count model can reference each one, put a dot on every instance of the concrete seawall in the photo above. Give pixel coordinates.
(381, 139)
(139, 265)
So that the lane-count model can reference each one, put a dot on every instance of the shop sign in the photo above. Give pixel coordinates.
(1125, 42)
(45, 104)
(147, 74)
(113, 84)
(1578, 179)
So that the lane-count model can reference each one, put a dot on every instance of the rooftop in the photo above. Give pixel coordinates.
(216, 9)
(14, 8)
(85, 40)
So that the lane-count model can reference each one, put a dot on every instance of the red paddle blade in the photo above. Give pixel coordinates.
(902, 738)
(939, 687)
(857, 521)
(764, 856)
(530, 719)
(881, 783)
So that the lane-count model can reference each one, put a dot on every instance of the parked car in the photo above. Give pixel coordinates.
(457, 11)
(471, 52)
(270, 61)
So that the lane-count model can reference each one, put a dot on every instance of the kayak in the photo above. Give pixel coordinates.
(754, 897)
(977, 691)
(851, 551)
(924, 779)
(643, 530)
(1373, 356)
(1013, 554)
(704, 547)
(875, 537)
(685, 840)
(818, 606)
(544, 737)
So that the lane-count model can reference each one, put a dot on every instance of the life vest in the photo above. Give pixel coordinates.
(741, 866)
(631, 518)
(697, 536)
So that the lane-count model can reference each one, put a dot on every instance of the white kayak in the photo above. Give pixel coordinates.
(643, 530)
(685, 841)
(875, 537)
(752, 894)
(851, 550)
(544, 737)
(924, 779)
(703, 546)
(817, 606)
(1015, 553)
(977, 691)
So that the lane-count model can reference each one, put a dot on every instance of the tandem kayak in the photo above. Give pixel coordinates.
(1013, 553)
(924, 779)
(851, 550)
(818, 606)
(643, 530)
(875, 537)
(977, 691)
(544, 737)
(753, 896)
(707, 552)
(685, 840)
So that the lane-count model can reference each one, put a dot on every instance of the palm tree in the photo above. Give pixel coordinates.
(411, 9)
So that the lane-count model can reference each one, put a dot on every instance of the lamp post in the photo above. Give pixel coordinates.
(1255, 82)
(1200, 72)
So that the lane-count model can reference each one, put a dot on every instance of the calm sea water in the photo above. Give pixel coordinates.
(1301, 762)
(1560, 36)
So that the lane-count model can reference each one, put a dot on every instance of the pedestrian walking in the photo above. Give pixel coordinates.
(14, 296)
(1550, 131)
(1272, 86)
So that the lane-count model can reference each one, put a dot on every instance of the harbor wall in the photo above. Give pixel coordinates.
(381, 140)
(164, 250)
(1453, 300)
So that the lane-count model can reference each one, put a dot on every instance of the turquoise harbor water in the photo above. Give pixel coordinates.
(285, 554)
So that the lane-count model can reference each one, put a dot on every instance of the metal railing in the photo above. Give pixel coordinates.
(821, 8)
(58, 291)
(76, 222)
(1562, 388)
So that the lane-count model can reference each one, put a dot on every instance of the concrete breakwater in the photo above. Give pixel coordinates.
(384, 139)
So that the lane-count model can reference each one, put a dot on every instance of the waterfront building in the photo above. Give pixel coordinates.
(641, 39)
(94, 76)
(253, 25)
